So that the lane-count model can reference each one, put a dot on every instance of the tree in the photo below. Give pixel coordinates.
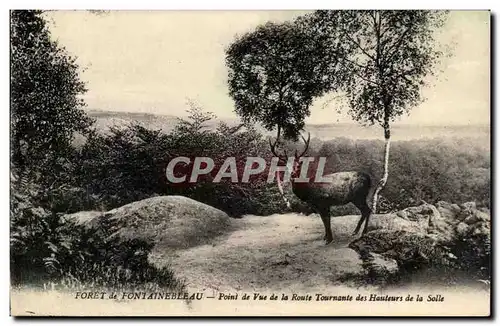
(46, 107)
(387, 56)
(275, 72)
(197, 119)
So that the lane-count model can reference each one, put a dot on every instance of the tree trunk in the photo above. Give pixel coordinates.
(383, 181)
(280, 188)
(278, 180)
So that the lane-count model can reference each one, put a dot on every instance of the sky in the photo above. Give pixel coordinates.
(156, 61)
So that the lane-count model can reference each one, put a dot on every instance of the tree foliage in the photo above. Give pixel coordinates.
(46, 107)
(276, 71)
(387, 56)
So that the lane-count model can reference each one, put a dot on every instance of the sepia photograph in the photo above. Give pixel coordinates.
(250, 163)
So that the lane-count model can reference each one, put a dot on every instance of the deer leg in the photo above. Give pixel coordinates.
(365, 214)
(320, 213)
(325, 217)
(360, 222)
(367, 218)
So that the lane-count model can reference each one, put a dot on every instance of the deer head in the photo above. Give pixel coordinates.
(297, 163)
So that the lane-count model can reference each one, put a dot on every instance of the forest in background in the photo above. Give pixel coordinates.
(128, 164)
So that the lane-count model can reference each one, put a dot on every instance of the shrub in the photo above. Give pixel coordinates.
(128, 164)
(46, 249)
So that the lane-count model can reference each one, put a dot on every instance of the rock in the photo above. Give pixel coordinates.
(448, 211)
(430, 236)
(484, 210)
(168, 221)
(478, 231)
(394, 222)
(422, 212)
(403, 214)
(441, 227)
(471, 219)
(468, 205)
(452, 207)
(471, 215)
(462, 229)
(407, 249)
(443, 204)
(388, 265)
(379, 266)
(482, 229)
(482, 216)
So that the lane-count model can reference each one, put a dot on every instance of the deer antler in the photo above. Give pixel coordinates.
(307, 145)
(273, 150)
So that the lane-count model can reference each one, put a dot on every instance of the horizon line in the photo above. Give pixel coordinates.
(310, 124)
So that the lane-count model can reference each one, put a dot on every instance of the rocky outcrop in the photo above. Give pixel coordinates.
(167, 221)
(456, 236)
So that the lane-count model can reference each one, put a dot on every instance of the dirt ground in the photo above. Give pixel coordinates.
(282, 254)
(277, 252)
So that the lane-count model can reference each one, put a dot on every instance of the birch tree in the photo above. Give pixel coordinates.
(388, 56)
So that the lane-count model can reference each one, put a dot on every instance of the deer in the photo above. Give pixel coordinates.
(345, 187)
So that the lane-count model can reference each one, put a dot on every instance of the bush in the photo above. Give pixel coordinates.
(45, 249)
(129, 164)
(430, 170)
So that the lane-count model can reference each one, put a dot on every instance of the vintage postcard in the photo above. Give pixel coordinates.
(250, 163)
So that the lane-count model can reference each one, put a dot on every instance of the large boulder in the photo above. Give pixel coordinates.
(167, 221)
(427, 235)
